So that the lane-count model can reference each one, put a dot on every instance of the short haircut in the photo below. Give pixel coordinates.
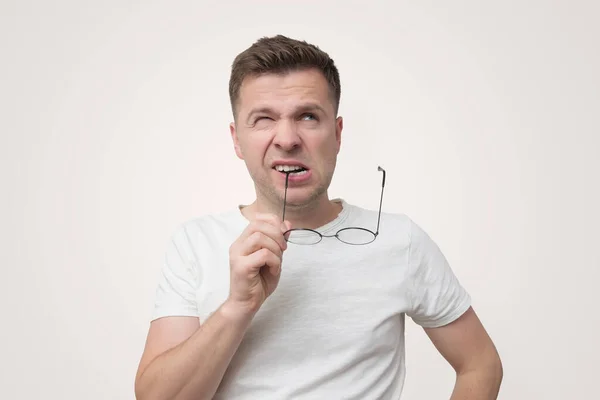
(279, 55)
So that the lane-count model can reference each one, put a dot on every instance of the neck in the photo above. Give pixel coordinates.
(313, 215)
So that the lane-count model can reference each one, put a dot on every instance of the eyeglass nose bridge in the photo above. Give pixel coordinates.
(336, 235)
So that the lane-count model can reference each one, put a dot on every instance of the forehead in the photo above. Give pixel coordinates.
(284, 91)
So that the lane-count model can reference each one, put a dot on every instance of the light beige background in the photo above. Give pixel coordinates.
(114, 130)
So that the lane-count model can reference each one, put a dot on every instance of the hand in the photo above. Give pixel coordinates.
(255, 262)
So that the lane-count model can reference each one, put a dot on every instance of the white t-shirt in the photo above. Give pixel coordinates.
(334, 327)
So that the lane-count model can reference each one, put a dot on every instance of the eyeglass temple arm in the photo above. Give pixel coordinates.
(380, 199)
(287, 177)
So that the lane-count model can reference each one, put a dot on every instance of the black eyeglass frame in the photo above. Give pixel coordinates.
(336, 235)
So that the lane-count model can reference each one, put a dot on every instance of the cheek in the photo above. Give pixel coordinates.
(254, 149)
(328, 147)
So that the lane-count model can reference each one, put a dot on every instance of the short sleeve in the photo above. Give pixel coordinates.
(178, 280)
(437, 296)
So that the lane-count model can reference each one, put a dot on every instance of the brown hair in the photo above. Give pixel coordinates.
(280, 54)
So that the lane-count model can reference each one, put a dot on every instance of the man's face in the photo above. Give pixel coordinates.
(285, 121)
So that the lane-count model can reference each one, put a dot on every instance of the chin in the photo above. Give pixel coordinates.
(303, 197)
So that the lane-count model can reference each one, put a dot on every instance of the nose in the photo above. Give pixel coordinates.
(286, 136)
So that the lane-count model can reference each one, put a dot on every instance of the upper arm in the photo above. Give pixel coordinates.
(442, 306)
(175, 314)
(437, 297)
(465, 343)
(165, 334)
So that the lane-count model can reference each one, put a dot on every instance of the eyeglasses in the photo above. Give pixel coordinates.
(350, 235)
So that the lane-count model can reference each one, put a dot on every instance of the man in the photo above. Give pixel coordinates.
(265, 302)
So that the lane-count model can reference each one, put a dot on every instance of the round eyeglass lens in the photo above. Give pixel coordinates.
(303, 236)
(355, 236)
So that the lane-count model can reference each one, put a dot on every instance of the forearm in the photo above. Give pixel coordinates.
(194, 368)
(478, 384)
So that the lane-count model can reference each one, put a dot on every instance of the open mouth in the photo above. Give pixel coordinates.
(293, 170)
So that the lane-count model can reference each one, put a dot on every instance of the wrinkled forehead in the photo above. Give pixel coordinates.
(284, 92)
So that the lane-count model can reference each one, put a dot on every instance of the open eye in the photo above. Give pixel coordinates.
(309, 117)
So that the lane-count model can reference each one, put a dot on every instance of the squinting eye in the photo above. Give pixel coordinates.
(309, 116)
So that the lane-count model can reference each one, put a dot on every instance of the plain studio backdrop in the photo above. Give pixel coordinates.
(114, 130)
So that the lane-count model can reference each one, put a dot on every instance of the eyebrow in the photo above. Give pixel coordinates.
(308, 107)
(259, 110)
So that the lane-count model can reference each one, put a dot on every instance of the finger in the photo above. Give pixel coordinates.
(275, 269)
(258, 241)
(273, 220)
(263, 225)
(270, 230)
(264, 257)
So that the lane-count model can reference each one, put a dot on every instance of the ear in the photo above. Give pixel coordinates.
(236, 141)
(339, 126)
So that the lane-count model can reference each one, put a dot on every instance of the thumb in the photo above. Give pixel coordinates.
(288, 224)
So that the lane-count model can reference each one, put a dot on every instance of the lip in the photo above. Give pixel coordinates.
(289, 162)
(295, 179)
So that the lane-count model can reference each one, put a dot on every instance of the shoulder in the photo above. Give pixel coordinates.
(208, 227)
(399, 227)
(209, 223)
(396, 222)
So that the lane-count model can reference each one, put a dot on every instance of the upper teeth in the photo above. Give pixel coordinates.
(287, 168)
